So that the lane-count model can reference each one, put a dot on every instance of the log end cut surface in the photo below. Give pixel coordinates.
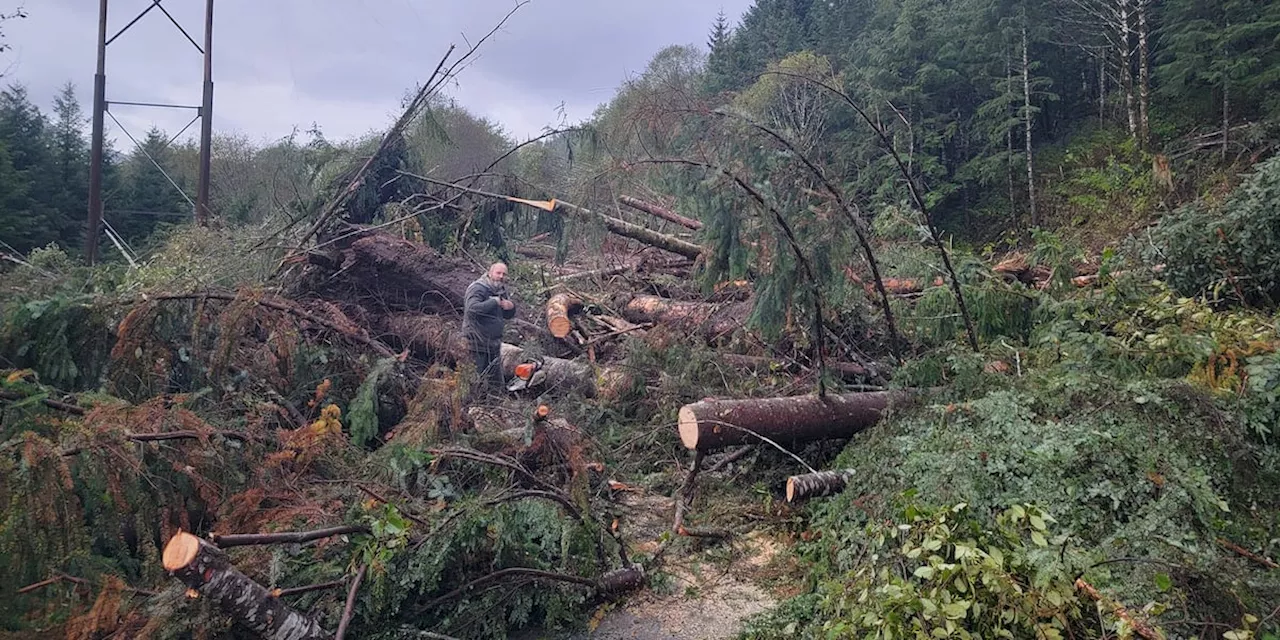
(180, 551)
(560, 327)
(791, 489)
(688, 427)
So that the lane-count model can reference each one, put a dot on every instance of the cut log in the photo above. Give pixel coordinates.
(711, 424)
(207, 570)
(639, 233)
(660, 212)
(711, 321)
(813, 485)
(563, 376)
(621, 580)
(558, 309)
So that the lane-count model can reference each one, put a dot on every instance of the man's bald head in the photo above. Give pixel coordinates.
(498, 272)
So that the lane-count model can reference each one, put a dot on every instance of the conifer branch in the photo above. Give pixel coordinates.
(934, 235)
(819, 325)
(856, 221)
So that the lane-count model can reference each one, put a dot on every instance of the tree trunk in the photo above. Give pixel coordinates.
(1126, 66)
(207, 570)
(1144, 76)
(1008, 138)
(1226, 118)
(712, 321)
(558, 308)
(813, 485)
(661, 212)
(636, 232)
(1027, 121)
(1102, 88)
(712, 424)
(563, 376)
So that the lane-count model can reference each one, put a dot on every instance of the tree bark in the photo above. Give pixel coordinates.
(1126, 65)
(661, 212)
(713, 321)
(1226, 118)
(1008, 136)
(1144, 76)
(563, 376)
(713, 424)
(1027, 116)
(813, 485)
(243, 539)
(558, 309)
(636, 232)
(1102, 88)
(207, 570)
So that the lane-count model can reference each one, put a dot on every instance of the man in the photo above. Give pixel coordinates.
(486, 309)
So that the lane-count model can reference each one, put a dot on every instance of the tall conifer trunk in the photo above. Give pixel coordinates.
(1027, 116)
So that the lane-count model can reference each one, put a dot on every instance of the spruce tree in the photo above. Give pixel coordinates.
(70, 166)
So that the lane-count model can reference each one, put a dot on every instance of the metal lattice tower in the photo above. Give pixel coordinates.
(204, 113)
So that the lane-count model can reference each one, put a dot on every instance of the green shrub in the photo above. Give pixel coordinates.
(1230, 251)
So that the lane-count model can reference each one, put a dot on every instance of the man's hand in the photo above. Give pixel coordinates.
(507, 305)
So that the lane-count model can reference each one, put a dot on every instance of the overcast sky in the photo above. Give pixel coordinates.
(347, 64)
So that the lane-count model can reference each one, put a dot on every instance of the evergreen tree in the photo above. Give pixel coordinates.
(1226, 47)
(23, 131)
(70, 166)
(149, 198)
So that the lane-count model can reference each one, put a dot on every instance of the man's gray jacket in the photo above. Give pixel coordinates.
(483, 318)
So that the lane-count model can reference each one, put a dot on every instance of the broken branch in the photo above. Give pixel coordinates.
(245, 539)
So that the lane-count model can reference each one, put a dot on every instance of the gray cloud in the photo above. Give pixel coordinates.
(346, 65)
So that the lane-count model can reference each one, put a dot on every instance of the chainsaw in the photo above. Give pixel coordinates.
(530, 374)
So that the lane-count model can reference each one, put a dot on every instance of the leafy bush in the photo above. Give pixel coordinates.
(1142, 478)
(1230, 251)
(941, 572)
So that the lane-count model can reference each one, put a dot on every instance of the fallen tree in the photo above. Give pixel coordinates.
(660, 212)
(206, 569)
(637, 232)
(712, 321)
(379, 270)
(712, 424)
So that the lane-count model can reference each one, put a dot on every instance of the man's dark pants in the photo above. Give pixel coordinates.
(487, 354)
